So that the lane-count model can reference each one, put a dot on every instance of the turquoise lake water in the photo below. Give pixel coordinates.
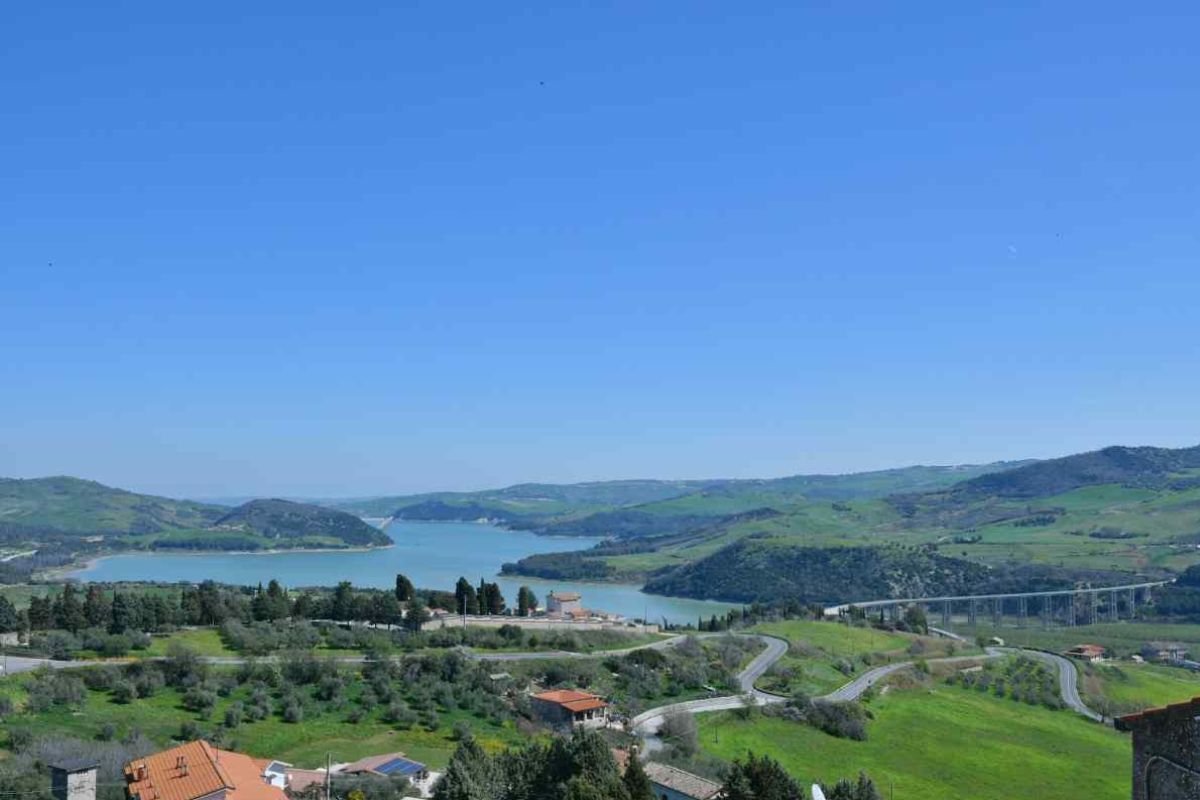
(432, 554)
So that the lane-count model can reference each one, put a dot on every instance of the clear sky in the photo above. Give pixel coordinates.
(349, 248)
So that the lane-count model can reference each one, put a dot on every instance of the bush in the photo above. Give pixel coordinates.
(293, 713)
(124, 692)
(843, 720)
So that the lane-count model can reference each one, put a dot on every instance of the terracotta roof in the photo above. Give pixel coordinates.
(685, 783)
(195, 770)
(564, 696)
(1131, 721)
(1087, 649)
(584, 705)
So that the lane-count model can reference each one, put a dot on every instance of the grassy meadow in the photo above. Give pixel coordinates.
(946, 743)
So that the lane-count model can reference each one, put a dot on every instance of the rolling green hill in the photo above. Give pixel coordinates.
(63, 517)
(283, 520)
(1129, 511)
(85, 507)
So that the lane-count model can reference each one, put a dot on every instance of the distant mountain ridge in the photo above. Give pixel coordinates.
(564, 509)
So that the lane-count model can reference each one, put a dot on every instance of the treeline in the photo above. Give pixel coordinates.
(152, 609)
(582, 767)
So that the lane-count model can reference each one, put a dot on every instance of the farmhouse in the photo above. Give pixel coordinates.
(1167, 652)
(1086, 652)
(567, 707)
(387, 765)
(671, 783)
(1166, 751)
(199, 771)
(564, 604)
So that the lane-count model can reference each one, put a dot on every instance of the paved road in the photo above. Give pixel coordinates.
(14, 664)
(1068, 680)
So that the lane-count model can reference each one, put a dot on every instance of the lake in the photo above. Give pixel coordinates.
(432, 554)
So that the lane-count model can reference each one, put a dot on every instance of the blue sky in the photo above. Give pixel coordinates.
(317, 249)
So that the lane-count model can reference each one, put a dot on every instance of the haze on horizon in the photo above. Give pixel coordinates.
(305, 251)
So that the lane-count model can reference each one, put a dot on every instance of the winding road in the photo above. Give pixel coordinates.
(647, 724)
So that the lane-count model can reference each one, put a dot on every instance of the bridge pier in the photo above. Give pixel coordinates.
(1114, 611)
(945, 613)
(1071, 610)
(1132, 603)
(971, 613)
(997, 611)
(1023, 610)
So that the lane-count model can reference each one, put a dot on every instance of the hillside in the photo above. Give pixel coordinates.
(526, 504)
(759, 570)
(49, 522)
(1134, 511)
(285, 522)
(634, 508)
(73, 505)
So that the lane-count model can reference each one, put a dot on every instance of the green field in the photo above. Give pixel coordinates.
(817, 648)
(305, 743)
(944, 744)
(1125, 688)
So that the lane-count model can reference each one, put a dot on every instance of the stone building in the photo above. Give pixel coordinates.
(569, 708)
(74, 780)
(1166, 751)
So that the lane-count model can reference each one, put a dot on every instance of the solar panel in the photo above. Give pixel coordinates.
(399, 766)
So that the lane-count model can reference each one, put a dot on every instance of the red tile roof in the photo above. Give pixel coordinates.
(572, 700)
(196, 770)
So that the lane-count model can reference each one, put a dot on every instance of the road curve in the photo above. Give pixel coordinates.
(1068, 680)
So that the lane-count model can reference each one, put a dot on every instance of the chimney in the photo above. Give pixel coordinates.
(181, 763)
(141, 771)
(74, 780)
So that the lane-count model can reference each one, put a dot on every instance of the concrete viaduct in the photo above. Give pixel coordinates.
(1066, 606)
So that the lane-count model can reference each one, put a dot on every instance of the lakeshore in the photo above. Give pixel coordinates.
(432, 554)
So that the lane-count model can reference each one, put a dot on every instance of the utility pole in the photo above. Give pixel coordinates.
(328, 776)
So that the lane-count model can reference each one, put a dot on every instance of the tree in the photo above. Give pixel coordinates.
(302, 606)
(526, 601)
(471, 775)
(96, 609)
(417, 615)
(760, 778)
(40, 613)
(68, 611)
(465, 599)
(124, 614)
(10, 620)
(861, 789)
(915, 620)
(343, 601)
(278, 606)
(404, 589)
(637, 783)
(385, 609)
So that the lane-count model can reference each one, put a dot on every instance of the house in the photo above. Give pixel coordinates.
(671, 783)
(567, 707)
(563, 603)
(394, 765)
(199, 771)
(1166, 751)
(388, 765)
(1087, 652)
(1168, 652)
